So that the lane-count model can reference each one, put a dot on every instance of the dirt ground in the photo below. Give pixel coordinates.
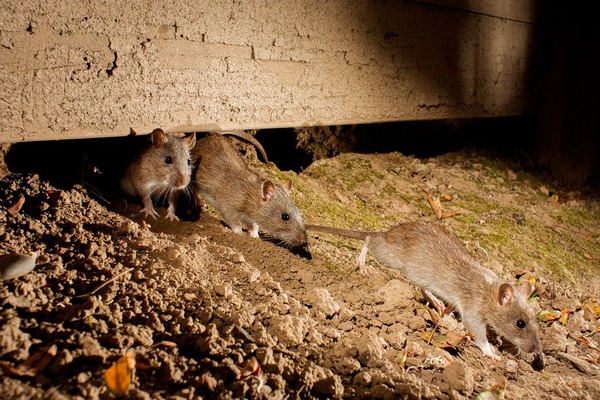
(194, 301)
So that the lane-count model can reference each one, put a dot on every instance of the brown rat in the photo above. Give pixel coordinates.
(241, 196)
(160, 170)
(434, 259)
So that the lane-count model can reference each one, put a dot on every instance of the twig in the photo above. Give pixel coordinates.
(105, 283)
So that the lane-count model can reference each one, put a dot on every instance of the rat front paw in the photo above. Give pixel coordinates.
(171, 214)
(150, 213)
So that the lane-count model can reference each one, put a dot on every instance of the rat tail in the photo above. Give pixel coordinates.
(349, 233)
(250, 139)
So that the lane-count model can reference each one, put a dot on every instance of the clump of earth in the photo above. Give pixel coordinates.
(195, 303)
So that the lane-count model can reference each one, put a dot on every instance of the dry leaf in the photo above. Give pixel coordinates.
(401, 358)
(15, 208)
(36, 363)
(551, 315)
(588, 342)
(119, 376)
(450, 214)
(251, 367)
(565, 316)
(165, 343)
(593, 306)
(496, 392)
(435, 205)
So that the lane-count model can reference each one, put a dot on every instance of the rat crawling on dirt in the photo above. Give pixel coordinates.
(162, 169)
(434, 259)
(222, 178)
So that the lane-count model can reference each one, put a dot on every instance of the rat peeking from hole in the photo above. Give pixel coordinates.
(161, 170)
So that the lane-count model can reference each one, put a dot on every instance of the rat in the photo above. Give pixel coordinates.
(432, 258)
(160, 170)
(242, 197)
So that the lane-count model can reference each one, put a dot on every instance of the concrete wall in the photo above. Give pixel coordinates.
(96, 68)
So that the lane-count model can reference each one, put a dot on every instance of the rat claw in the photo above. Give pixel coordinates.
(171, 214)
(150, 213)
(172, 217)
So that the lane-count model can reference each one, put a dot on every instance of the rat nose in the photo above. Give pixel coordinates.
(181, 181)
(535, 347)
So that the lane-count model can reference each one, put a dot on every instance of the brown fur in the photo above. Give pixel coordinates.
(434, 259)
(242, 197)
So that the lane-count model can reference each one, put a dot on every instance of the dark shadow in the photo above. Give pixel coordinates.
(95, 164)
(506, 137)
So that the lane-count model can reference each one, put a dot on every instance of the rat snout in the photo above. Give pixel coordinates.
(301, 239)
(535, 347)
(532, 345)
(180, 180)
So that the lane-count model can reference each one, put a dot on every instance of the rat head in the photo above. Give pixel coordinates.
(279, 215)
(171, 159)
(514, 319)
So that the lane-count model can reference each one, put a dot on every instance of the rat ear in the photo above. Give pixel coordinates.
(288, 185)
(526, 289)
(190, 140)
(505, 294)
(158, 138)
(268, 190)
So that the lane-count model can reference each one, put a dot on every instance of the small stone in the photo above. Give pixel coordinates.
(460, 377)
(362, 379)
(323, 301)
(223, 290)
(238, 258)
(555, 338)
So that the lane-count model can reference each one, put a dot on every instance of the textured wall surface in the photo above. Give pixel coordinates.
(95, 68)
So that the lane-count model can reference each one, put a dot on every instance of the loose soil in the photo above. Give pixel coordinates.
(195, 301)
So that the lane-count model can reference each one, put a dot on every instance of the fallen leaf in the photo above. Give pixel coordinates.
(588, 342)
(251, 367)
(564, 317)
(593, 306)
(551, 315)
(15, 208)
(119, 376)
(35, 364)
(496, 392)
(450, 214)
(166, 343)
(435, 205)
(454, 339)
(401, 358)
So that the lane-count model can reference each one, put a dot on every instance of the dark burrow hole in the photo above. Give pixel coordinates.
(98, 163)
(296, 149)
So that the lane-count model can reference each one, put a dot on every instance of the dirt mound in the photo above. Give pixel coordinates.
(195, 302)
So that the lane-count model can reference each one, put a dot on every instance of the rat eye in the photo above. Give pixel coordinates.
(285, 217)
(521, 324)
(168, 160)
(189, 162)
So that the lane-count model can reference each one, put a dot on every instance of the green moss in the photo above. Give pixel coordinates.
(334, 213)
